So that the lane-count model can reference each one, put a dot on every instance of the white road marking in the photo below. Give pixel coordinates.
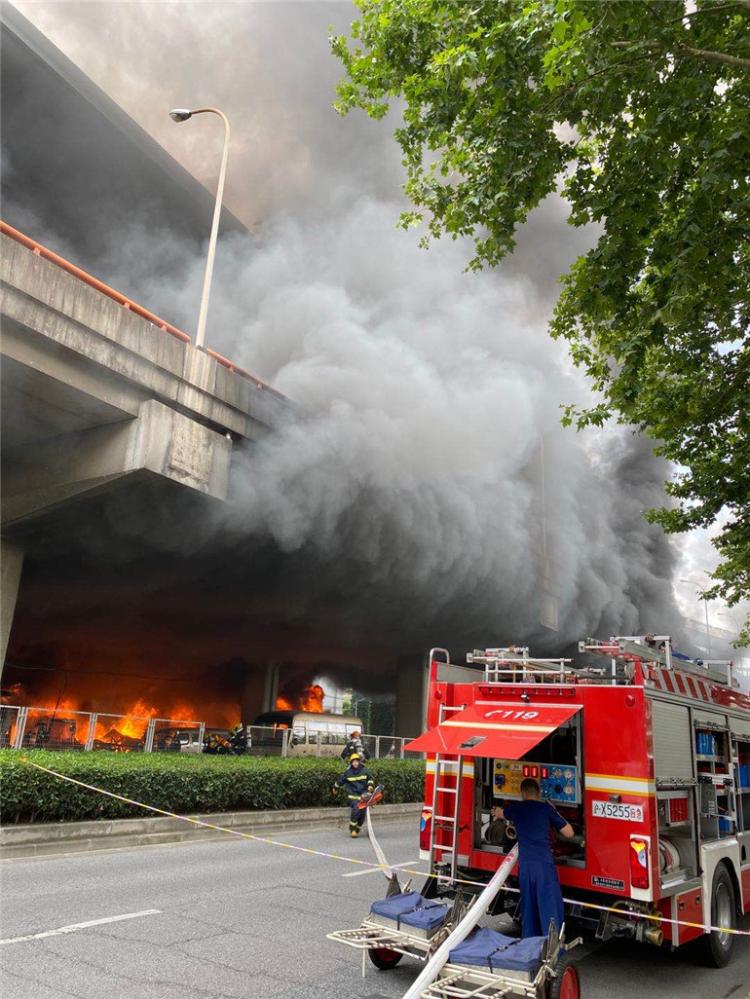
(376, 870)
(80, 926)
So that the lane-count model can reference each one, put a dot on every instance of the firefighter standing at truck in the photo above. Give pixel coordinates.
(356, 781)
(541, 898)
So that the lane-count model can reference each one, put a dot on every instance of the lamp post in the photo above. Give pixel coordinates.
(179, 115)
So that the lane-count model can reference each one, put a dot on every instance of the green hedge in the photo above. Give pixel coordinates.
(181, 784)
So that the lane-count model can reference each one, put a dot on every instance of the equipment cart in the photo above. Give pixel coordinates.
(404, 923)
(489, 965)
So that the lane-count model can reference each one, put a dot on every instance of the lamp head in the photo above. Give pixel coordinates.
(180, 114)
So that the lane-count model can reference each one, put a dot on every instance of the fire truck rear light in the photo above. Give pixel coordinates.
(640, 875)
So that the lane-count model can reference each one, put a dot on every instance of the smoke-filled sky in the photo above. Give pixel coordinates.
(427, 486)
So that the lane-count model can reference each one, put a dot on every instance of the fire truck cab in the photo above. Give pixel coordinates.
(646, 753)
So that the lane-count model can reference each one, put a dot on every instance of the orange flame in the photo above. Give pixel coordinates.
(64, 726)
(123, 709)
(136, 719)
(54, 722)
(310, 699)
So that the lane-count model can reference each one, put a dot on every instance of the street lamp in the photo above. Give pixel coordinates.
(179, 115)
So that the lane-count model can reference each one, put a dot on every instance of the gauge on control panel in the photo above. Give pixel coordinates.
(557, 782)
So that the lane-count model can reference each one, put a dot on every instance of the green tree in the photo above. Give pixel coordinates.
(639, 113)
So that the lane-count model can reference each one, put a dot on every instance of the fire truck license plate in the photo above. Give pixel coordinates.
(613, 810)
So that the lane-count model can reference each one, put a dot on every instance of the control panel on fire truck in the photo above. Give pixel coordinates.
(558, 781)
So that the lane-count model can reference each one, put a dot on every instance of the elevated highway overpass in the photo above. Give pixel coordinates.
(98, 394)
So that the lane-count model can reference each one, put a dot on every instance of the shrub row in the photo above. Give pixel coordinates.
(181, 784)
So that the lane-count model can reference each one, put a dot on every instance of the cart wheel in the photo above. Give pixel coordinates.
(383, 958)
(567, 983)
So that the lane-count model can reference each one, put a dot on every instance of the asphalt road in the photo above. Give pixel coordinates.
(239, 920)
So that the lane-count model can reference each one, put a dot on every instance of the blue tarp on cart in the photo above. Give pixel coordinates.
(427, 917)
(411, 909)
(492, 950)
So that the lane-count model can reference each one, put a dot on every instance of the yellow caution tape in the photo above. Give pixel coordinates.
(656, 918)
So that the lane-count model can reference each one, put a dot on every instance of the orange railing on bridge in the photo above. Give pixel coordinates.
(89, 279)
(126, 302)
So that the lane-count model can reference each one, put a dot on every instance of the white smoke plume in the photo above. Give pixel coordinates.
(428, 473)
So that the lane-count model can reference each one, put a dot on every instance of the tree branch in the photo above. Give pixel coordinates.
(722, 57)
(729, 60)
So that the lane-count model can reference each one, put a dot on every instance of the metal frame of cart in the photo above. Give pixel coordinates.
(465, 982)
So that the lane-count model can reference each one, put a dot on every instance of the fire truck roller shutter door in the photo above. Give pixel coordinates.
(673, 744)
(711, 718)
(740, 727)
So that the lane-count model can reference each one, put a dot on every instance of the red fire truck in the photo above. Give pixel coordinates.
(645, 752)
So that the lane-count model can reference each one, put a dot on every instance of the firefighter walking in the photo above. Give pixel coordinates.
(354, 745)
(539, 885)
(356, 780)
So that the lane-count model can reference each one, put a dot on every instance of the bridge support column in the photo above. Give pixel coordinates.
(260, 691)
(11, 568)
(411, 691)
(271, 689)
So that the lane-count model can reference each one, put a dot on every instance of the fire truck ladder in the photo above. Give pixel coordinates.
(657, 649)
(446, 765)
(514, 664)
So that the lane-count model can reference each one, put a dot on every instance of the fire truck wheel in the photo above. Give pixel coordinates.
(383, 958)
(716, 948)
(567, 983)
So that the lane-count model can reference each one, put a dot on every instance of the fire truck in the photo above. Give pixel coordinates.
(645, 752)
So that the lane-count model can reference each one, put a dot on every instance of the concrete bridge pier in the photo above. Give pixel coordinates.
(411, 695)
(11, 567)
(260, 692)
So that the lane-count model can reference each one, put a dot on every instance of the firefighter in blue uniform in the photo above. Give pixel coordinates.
(356, 780)
(541, 898)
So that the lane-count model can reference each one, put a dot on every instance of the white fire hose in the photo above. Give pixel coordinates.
(377, 847)
(432, 969)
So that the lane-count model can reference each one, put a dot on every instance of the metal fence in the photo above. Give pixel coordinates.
(277, 741)
(8, 726)
(49, 728)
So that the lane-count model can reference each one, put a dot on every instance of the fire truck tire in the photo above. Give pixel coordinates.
(715, 949)
(383, 958)
(567, 983)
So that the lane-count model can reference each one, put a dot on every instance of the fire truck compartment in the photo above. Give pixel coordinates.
(554, 761)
